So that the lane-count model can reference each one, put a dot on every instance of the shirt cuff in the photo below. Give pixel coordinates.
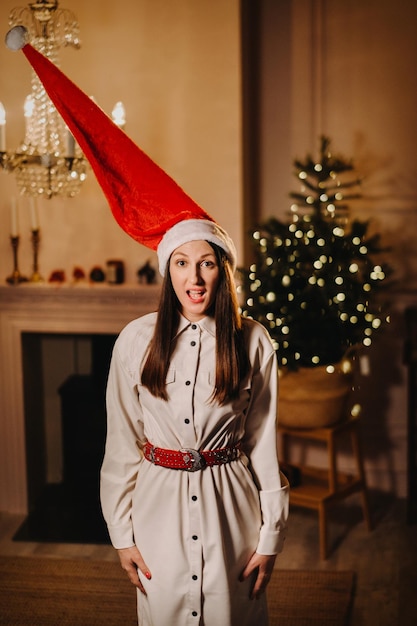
(274, 506)
(121, 536)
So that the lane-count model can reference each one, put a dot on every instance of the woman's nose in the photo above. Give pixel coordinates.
(196, 275)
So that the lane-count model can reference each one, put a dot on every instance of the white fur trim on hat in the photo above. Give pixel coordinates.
(194, 230)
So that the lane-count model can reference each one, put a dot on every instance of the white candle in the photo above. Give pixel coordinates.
(14, 219)
(28, 109)
(2, 128)
(119, 115)
(34, 214)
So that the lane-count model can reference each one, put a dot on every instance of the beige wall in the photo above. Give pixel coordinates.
(176, 67)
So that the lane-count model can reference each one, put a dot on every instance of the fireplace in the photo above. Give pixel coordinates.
(25, 312)
(64, 379)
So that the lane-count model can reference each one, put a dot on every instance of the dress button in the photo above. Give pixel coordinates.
(193, 343)
(195, 577)
(194, 326)
(187, 421)
(193, 498)
(188, 382)
(194, 613)
(195, 537)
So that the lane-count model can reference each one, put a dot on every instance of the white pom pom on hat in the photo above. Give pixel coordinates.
(145, 201)
(16, 38)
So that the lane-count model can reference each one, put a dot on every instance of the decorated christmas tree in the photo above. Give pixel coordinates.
(314, 278)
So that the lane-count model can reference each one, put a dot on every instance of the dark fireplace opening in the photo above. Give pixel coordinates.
(65, 510)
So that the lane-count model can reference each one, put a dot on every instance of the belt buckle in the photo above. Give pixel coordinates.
(151, 454)
(198, 460)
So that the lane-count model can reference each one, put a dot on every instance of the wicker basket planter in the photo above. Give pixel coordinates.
(313, 397)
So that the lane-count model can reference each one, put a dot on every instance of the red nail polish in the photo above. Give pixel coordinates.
(148, 575)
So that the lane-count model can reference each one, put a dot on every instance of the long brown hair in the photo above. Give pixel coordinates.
(232, 362)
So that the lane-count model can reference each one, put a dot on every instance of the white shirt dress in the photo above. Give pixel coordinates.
(195, 530)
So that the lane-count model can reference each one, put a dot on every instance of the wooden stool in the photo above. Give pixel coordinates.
(318, 488)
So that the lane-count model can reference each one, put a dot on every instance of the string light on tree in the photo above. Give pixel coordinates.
(314, 280)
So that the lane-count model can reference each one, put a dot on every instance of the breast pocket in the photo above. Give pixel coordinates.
(170, 378)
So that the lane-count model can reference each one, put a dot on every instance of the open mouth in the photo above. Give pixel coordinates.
(196, 295)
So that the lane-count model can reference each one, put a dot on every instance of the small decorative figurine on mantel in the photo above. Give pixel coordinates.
(57, 276)
(97, 275)
(147, 274)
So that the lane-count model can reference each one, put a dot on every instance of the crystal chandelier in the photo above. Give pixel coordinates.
(48, 162)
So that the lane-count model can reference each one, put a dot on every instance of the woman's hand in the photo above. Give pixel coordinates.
(131, 560)
(261, 566)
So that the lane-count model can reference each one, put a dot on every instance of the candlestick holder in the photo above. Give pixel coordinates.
(16, 277)
(36, 277)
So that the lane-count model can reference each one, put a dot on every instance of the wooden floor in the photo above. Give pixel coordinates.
(385, 560)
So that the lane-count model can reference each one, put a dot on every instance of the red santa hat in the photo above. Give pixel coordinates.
(147, 203)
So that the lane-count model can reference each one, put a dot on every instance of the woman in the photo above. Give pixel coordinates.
(200, 546)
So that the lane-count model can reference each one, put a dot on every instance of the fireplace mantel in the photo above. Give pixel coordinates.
(66, 309)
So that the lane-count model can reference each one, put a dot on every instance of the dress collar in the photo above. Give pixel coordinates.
(206, 323)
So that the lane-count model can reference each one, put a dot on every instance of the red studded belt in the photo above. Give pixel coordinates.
(188, 458)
